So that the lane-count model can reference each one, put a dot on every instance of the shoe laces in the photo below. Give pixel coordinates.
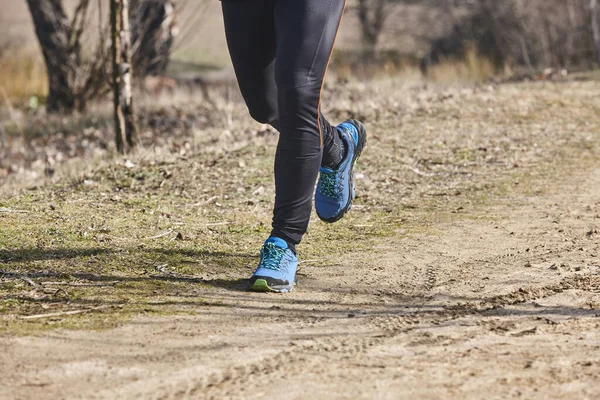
(271, 256)
(331, 184)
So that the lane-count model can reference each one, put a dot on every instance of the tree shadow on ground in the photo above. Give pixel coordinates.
(172, 289)
(214, 259)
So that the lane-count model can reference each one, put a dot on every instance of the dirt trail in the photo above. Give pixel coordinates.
(502, 303)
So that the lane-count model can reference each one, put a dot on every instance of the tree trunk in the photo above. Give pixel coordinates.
(152, 35)
(595, 11)
(371, 14)
(125, 127)
(52, 30)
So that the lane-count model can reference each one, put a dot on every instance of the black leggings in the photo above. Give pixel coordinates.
(280, 51)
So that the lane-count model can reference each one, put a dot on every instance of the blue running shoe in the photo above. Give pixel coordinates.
(335, 189)
(276, 270)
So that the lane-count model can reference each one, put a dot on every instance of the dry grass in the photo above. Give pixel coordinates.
(202, 42)
(472, 69)
(22, 75)
(148, 234)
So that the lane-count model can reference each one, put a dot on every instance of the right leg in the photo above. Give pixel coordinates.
(250, 32)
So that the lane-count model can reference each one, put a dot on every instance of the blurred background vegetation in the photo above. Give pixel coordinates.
(471, 39)
(54, 59)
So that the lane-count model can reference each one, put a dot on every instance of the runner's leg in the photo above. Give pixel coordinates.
(305, 32)
(280, 50)
(250, 32)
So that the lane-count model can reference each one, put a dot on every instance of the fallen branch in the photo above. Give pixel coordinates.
(28, 280)
(163, 269)
(57, 314)
(217, 224)
(419, 172)
(210, 200)
(75, 284)
(61, 290)
(11, 211)
(161, 235)
(61, 314)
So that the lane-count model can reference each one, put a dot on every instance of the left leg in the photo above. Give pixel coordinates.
(250, 33)
(306, 32)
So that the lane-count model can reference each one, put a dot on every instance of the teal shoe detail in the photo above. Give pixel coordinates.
(336, 189)
(276, 271)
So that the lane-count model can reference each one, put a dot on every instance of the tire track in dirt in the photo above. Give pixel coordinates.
(235, 380)
(388, 326)
(431, 275)
(429, 281)
(281, 366)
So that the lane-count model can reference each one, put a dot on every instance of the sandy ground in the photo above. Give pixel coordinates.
(504, 304)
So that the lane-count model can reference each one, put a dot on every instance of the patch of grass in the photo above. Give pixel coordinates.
(159, 236)
(473, 68)
(22, 75)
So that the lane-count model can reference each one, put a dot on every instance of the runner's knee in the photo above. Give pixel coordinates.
(299, 105)
(262, 115)
(299, 121)
(261, 106)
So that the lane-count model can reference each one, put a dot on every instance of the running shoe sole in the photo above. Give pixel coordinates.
(261, 285)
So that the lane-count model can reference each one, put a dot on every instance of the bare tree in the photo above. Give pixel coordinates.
(51, 28)
(374, 15)
(70, 85)
(595, 21)
(524, 33)
(125, 127)
(152, 34)
(371, 14)
(76, 77)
